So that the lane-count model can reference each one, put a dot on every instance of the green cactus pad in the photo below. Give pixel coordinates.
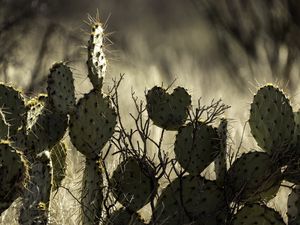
(92, 196)
(92, 124)
(257, 214)
(168, 111)
(36, 200)
(133, 185)
(96, 58)
(190, 200)
(44, 127)
(13, 175)
(59, 164)
(293, 208)
(123, 216)
(12, 108)
(271, 119)
(196, 146)
(61, 88)
(252, 176)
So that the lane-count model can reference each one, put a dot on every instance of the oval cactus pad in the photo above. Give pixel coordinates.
(168, 111)
(271, 119)
(92, 124)
(196, 146)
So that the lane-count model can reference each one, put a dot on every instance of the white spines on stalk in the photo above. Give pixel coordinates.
(96, 58)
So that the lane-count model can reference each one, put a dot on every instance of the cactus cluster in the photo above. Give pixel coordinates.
(33, 155)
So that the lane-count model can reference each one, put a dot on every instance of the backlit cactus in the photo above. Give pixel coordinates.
(33, 128)
(13, 174)
(123, 216)
(12, 107)
(168, 111)
(191, 200)
(36, 200)
(257, 214)
(272, 120)
(252, 176)
(196, 146)
(91, 126)
(133, 184)
(58, 157)
(61, 90)
(96, 62)
(92, 123)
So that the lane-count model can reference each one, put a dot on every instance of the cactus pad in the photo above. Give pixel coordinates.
(252, 176)
(271, 119)
(59, 164)
(123, 216)
(196, 146)
(3, 127)
(92, 124)
(13, 175)
(257, 214)
(44, 127)
(190, 200)
(168, 111)
(92, 196)
(61, 88)
(36, 200)
(132, 184)
(12, 108)
(96, 58)
(221, 160)
(293, 212)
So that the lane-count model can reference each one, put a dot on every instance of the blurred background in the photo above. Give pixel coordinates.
(215, 48)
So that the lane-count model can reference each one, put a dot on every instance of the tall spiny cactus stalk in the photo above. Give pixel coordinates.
(91, 126)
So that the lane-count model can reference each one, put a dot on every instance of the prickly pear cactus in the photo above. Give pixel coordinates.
(12, 108)
(221, 160)
(13, 174)
(168, 111)
(45, 127)
(36, 200)
(191, 200)
(123, 216)
(96, 58)
(293, 212)
(252, 176)
(58, 157)
(91, 196)
(4, 127)
(257, 214)
(196, 146)
(92, 124)
(272, 120)
(61, 90)
(133, 184)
